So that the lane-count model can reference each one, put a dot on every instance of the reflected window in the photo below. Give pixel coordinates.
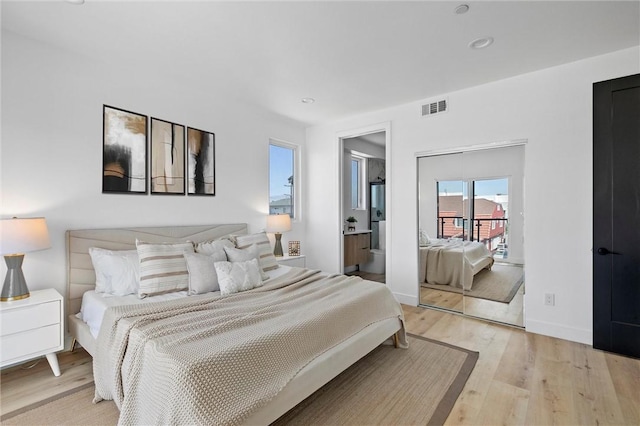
(489, 212)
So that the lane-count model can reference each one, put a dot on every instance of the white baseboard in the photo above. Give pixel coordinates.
(406, 299)
(572, 334)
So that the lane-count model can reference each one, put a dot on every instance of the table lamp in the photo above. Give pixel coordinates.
(19, 236)
(278, 223)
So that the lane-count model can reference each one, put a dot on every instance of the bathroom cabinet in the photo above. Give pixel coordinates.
(356, 249)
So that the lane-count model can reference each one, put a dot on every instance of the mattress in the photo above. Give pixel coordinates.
(94, 305)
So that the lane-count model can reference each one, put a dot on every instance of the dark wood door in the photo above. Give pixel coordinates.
(616, 215)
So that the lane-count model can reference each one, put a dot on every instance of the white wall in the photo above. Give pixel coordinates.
(552, 109)
(51, 153)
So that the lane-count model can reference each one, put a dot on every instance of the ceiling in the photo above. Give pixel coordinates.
(352, 57)
(377, 138)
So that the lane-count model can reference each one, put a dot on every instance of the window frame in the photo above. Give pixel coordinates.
(296, 210)
(362, 177)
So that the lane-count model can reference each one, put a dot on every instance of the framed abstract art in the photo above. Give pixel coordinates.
(167, 157)
(124, 157)
(201, 148)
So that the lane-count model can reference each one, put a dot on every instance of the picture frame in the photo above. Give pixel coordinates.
(201, 167)
(167, 157)
(294, 248)
(124, 151)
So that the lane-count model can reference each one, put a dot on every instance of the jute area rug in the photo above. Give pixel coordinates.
(500, 284)
(389, 386)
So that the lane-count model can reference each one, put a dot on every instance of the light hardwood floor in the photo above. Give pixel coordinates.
(527, 379)
(33, 381)
(508, 313)
(520, 378)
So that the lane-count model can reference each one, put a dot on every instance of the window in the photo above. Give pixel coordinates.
(459, 218)
(283, 178)
(357, 182)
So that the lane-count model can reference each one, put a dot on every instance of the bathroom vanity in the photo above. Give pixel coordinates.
(357, 248)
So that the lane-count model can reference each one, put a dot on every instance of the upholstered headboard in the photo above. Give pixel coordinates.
(80, 274)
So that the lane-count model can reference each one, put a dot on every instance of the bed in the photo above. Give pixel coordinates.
(453, 262)
(128, 363)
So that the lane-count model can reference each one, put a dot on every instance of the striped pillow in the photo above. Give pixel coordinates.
(267, 259)
(163, 268)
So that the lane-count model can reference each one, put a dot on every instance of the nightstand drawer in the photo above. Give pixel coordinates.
(30, 317)
(33, 342)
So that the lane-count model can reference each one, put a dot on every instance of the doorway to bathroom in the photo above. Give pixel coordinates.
(363, 202)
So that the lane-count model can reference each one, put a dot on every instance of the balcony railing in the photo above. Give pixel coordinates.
(475, 236)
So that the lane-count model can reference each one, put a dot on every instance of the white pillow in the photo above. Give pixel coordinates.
(266, 257)
(214, 246)
(242, 255)
(202, 272)
(235, 277)
(117, 271)
(424, 238)
(163, 268)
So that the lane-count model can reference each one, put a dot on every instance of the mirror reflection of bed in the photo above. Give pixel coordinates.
(470, 209)
(492, 289)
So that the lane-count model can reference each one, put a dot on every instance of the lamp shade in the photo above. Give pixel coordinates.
(19, 236)
(278, 223)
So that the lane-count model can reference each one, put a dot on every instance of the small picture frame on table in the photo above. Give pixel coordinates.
(294, 248)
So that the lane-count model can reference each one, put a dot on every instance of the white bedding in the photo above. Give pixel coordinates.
(453, 263)
(95, 304)
(81, 276)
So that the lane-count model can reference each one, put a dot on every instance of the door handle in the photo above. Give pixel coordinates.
(603, 251)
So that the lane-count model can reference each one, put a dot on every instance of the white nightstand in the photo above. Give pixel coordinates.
(299, 261)
(32, 327)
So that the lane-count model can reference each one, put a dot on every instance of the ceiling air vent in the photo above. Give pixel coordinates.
(436, 107)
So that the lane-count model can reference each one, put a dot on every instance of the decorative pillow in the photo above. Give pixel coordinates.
(117, 271)
(202, 272)
(242, 255)
(267, 259)
(424, 238)
(235, 277)
(214, 246)
(163, 268)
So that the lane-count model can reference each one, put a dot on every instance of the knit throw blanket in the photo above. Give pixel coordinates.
(214, 360)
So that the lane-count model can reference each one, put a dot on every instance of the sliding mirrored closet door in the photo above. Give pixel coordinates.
(439, 227)
(471, 222)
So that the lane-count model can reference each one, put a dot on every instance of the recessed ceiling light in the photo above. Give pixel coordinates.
(463, 8)
(481, 43)
(75, 1)
(308, 100)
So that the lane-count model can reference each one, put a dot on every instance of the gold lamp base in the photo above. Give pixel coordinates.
(277, 250)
